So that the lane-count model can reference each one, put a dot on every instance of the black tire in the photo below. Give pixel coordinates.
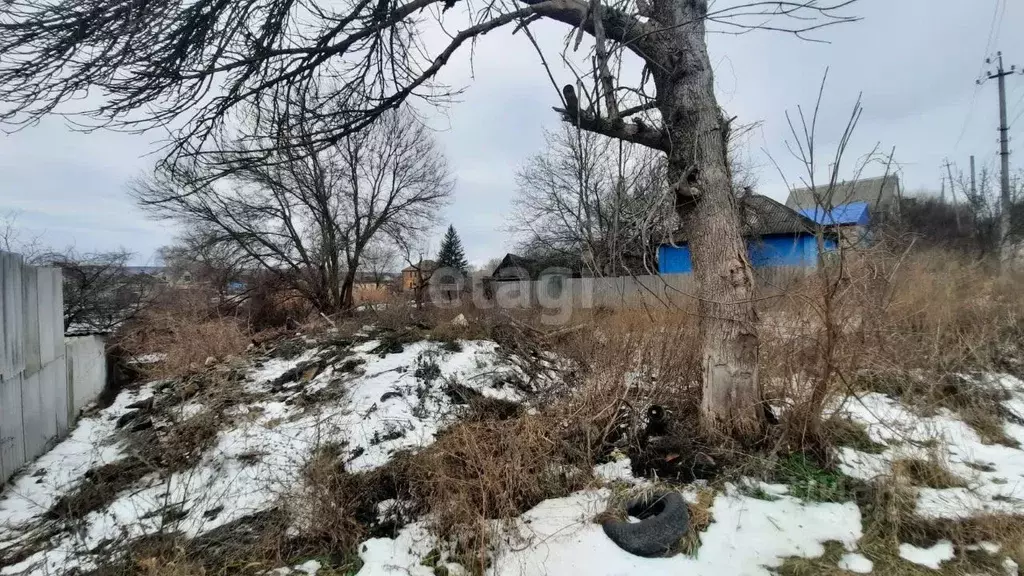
(664, 520)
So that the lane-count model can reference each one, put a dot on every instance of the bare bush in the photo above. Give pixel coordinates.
(185, 330)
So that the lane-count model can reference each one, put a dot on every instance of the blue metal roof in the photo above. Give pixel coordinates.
(856, 213)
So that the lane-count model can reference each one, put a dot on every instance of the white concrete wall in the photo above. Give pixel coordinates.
(34, 409)
(87, 370)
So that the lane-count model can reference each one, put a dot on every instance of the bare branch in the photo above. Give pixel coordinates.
(607, 83)
(652, 105)
(636, 132)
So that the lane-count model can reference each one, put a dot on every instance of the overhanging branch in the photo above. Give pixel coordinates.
(635, 132)
(618, 25)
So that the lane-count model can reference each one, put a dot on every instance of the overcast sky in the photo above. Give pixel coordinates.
(915, 61)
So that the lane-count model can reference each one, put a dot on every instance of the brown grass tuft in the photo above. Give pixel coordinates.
(700, 519)
(482, 471)
(927, 473)
(330, 501)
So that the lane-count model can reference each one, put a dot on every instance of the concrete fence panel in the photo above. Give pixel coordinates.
(87, 370)
(12, 433)
(34, 391)
(646, 291)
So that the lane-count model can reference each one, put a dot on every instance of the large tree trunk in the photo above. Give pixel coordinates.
(697, 162)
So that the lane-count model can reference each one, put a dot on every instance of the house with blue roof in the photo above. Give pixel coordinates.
(846, 221)
(776, 236)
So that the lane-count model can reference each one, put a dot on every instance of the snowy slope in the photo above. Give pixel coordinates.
(994, 472)
(385, 407)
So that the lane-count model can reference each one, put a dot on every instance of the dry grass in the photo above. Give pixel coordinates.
(478, 472)
(330, 501)
(927, 473)
(188, 330)
(892, 322)
(100, 487)
(370, 294)
(700, 519)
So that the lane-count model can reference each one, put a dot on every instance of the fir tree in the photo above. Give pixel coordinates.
(451, 254)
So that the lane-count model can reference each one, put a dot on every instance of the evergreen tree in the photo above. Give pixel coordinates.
(451, 254)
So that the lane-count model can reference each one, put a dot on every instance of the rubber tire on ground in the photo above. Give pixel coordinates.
(664, 520)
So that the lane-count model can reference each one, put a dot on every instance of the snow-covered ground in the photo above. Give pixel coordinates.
(371, 405)
(559, 536)
(994, 472)
(388, 403)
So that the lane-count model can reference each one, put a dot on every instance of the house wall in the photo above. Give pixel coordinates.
(777, 250)
(408, 279)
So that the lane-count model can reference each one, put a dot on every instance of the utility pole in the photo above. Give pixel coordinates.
(1004, 152)
(952, 191)
(973, 202)
(974, 185)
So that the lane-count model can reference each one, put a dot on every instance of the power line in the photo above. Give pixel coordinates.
(988, 46)
(1015, 107)
(992, 30)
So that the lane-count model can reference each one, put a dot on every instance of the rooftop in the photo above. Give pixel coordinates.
(761, 216)
(876, 192)
(854, 213)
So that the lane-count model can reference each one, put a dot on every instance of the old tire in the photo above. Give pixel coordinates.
(664, 520)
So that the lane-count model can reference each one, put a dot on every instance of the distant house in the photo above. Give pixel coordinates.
(847, 221)
(168, 275)
(775, 235)
(514, 267)
(880, 194)
(512, 277)
(416, 273)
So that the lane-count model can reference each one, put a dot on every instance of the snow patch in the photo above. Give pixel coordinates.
(151, 358)
(616, 471)
(274, 368)
(388, 406)
(994, 472)
(90, 444)
(854, 562)
(931, 557)
(310, 567)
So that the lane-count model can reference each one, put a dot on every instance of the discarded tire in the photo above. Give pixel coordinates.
(664, 520)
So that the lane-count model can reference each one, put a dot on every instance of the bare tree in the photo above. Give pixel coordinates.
(380, 260)
(199, 64)
(101, 292)
(490, 266)
(308, 215)
(200, 253)
(595, 200)
(984, 203)
(14, 239)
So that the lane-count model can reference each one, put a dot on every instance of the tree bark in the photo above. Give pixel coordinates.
(697, 164)
(347, 298)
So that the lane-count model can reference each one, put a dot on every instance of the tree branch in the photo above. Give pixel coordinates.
(635, 132)
(638, 109)
(601, 52)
